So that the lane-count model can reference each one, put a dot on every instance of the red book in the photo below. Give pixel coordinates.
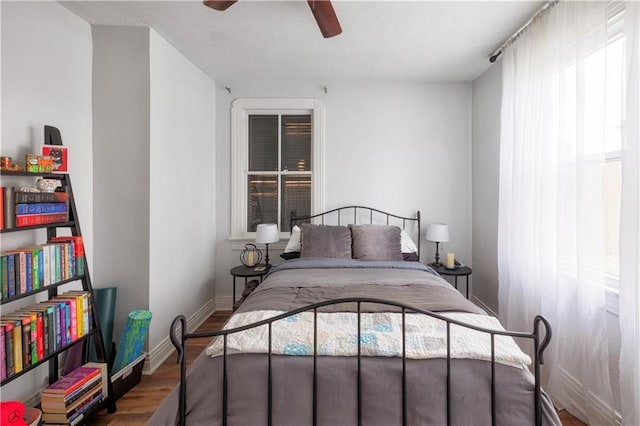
(40, 219)
(40, 335)
(72, 381)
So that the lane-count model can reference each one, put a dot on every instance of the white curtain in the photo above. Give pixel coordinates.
(630, 227)
(563, 122)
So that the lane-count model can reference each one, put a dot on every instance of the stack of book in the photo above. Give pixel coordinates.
(30, 268)
(31, 334)
(75, 395)
(20, 208)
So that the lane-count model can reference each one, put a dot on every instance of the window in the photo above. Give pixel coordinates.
(277, 162)
(603, 81)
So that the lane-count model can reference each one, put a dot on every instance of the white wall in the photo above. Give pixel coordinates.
(487, 95)
(397, 146)
(121, 165)
(46, 79)
(182, 192)
(154, 128)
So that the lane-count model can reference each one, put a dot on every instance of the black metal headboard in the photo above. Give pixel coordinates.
(360, 215)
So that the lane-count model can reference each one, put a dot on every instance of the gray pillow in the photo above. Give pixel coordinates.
(325, 241)
(376, 242)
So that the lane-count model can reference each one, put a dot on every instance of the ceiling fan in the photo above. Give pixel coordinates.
(322, 10)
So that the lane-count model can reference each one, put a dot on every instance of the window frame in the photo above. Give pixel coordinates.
(241, 108)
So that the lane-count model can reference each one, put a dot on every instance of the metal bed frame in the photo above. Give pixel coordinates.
(540, 338)
(179, 340)
(389, 218)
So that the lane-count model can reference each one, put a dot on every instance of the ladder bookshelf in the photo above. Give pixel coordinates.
(94, 336)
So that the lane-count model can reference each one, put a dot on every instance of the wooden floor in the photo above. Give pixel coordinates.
(137, 406)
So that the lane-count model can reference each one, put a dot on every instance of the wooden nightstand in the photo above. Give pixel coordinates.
(246, 273)
(458, 272)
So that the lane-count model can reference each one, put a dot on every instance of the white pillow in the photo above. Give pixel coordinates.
(294, 241)
(406, 243)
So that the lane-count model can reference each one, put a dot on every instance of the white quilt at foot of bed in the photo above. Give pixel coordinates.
(380, 335)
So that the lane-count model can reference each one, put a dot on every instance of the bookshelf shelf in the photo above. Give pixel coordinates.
(72, 228)
(48, 225)
(30, 174)
(48, 358)
(42, 289)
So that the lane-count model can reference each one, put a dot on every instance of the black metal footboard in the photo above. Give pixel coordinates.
(539, 338)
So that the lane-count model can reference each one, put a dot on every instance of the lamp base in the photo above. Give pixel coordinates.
(266, 258)
(437, 262)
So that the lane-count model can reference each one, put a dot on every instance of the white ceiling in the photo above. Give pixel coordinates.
(279, 40)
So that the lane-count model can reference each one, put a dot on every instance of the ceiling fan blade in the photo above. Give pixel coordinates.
(219, 4)
(325, 17)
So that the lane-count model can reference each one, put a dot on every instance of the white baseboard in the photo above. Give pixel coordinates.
(165, 348)
(576, 403)
(480, 303)
(32, 400)
(224, 303)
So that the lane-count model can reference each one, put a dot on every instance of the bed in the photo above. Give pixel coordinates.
(349, 333)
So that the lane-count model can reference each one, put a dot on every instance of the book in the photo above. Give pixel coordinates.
(72, 381)
(72, 304)
(16, 339)
(45, 314)
(1, 207)
(20, 271)
(34, 265)
(4, 278)
(84, 322)
(76, 416)
(31, 327)
(46, 271)
(40, 219)
(11, 274)
(37, 333)
(78, 251)
(52, 263)
(28, 269)
(60, 156)
(8, 205)
(3, 355)
(38, 208)
(57, 253)
(65, 320)
(33, 337)
(55, 331)
(21, 327)
(21, 197)
(57, 403)
(8, 343)
(104, 372)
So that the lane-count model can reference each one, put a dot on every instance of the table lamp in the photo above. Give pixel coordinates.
(437, 233)
(267, 233)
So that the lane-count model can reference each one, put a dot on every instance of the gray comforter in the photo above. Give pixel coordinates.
(302, 282)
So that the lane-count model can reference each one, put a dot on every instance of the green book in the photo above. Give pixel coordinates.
(4, 277)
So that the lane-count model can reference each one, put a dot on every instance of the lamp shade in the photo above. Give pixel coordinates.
(438, 232)
(267, 233)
